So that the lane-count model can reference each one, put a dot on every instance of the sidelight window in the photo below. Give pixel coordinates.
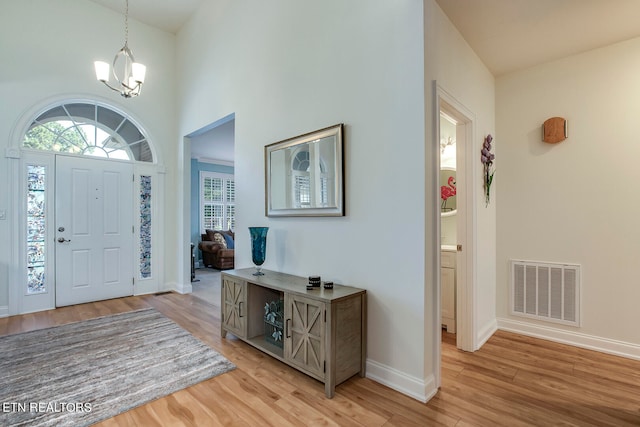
(36, 230)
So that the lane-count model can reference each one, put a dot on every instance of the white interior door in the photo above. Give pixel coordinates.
(94, 230)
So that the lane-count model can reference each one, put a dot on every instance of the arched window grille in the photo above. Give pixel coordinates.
(303, 193)
(89, 129)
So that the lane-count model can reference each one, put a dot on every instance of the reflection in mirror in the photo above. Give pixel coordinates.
(448, 192)
(304, 175)
(448, 197)
(295, 168)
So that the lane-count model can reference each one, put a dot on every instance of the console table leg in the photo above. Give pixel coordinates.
(329, 389)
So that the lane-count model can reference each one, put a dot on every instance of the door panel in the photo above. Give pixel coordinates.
(234, 306)
(304, 343)
(94, 230)
(80, 268)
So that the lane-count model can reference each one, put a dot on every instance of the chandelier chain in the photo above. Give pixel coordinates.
(126, 23)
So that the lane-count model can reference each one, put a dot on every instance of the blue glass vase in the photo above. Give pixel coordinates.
(258, 247)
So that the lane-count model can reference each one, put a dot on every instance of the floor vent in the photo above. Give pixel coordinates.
(546, 291)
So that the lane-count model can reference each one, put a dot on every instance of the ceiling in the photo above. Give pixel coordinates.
(168, 15)
(509, 35)
(216, 143)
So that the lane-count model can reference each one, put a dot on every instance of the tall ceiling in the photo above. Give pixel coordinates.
(507, 35)
(168, 15)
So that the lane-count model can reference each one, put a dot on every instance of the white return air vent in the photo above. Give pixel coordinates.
(546, 291)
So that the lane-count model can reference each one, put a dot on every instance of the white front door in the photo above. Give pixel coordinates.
(93, 227)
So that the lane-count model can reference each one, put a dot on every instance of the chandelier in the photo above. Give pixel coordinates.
(128, 73)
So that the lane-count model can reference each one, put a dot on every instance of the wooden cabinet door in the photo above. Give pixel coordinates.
(234, 306)
(305, 329)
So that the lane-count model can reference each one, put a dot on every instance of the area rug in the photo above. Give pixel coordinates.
(84, 372)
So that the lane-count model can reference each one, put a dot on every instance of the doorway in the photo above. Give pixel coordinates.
(460, 240)
(209, 152)
(84, 172)
(448, 224)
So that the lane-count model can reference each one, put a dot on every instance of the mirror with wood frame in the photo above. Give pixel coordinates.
(304, 175)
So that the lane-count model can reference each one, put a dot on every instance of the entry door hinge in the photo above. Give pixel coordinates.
(324, 368)
(133, 229)
(133, 280)
(133, 177)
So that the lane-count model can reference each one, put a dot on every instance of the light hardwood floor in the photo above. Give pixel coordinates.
(207, 285)
(512, 381)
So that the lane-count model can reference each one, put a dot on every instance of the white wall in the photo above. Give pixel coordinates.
(575, 201)
(458, 70)
(47, 52)
(287, 67)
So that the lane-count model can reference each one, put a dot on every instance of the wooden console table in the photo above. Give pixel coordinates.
(324, 331)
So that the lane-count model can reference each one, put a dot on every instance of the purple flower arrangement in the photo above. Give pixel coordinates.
(487, 161)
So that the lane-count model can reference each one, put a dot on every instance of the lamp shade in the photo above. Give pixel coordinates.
(138, 72)
(102, 71)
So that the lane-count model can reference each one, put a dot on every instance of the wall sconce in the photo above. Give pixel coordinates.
(554, 130)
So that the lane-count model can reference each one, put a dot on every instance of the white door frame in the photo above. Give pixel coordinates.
(466, 226)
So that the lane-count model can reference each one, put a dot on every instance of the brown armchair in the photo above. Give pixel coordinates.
(218, 250)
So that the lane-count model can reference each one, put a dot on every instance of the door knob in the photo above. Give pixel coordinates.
(62, 240)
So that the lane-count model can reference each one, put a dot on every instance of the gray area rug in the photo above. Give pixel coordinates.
(82, 373)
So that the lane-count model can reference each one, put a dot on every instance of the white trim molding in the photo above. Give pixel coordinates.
(183, 288)
(577, 339)
(215, 161)
(466, 269)
(4, 311)
(12, 153)
(486, 333)
(422, 390)
(145, 286)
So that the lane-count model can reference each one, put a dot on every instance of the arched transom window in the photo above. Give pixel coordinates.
(90, 129)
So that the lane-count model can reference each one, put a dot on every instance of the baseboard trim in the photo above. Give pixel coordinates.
(145, 287)
(486, 333)
(401, 382)
(577, 339)
(183, 288)
(4, 311)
